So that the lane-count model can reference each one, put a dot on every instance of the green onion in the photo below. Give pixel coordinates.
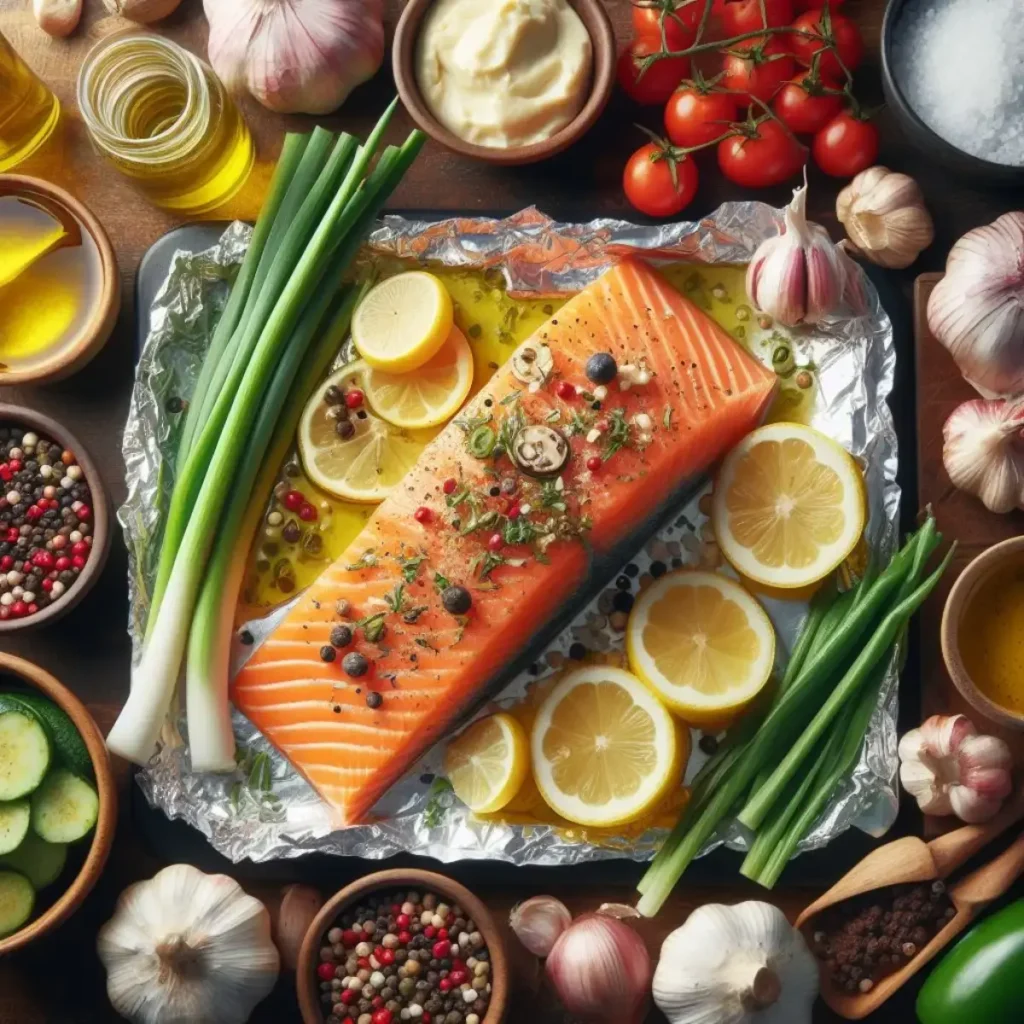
(307, 251)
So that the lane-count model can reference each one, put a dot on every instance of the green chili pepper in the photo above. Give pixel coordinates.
(981, 979)
(481, 442)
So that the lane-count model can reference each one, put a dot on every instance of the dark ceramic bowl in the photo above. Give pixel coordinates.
(602, 79)
(936, 147)
(101, 533)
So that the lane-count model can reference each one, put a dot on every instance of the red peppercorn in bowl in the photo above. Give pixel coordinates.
(54, 520)
(403, 945)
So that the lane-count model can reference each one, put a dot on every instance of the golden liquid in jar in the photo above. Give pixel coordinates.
(28, 110)
(162, 117)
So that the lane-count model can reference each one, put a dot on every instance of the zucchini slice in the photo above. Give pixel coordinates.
(17, 898)
(24, 754)
(14, 818)
(64, 807)
(39, 861)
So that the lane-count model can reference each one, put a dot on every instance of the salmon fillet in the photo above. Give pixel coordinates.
(353, 737)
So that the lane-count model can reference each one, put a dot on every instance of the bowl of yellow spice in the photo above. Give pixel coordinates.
(59, 285)
(983, 633)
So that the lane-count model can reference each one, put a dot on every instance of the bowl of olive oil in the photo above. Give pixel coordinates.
(59, 284)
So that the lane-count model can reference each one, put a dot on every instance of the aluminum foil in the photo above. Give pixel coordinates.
(266, 810)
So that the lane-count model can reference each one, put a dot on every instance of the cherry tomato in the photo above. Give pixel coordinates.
(803, 107)
(693, 118)
(680, 17)
(647, 181)
(761, 73)
(836, 29)
(769, 157)
(657, 83)
(846, 146)
(740, 16)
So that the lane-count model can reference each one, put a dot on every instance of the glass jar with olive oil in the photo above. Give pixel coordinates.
(163, 118)
(28, 110)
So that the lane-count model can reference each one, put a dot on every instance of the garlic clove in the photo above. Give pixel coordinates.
(57, 18)
(144, 12)
(983, 452)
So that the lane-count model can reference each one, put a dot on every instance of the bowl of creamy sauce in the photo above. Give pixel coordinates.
(507, 81)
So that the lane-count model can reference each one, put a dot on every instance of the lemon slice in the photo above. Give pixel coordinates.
(429, 396)
(604, 749)
(488, 763)
(403, 321)
(365, 466)
(788, 505)
(702, 643)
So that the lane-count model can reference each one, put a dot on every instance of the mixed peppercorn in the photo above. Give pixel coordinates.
(404, 957)
(46, 522)
(864, 939)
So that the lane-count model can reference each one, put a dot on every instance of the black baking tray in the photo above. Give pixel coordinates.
(176, 840)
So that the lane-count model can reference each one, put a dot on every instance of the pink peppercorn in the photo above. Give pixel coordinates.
(307, 512)
(15, 465)
(423, 515)
(594, 463)
(354, 398)
(383, 1016)
(449, 485)
(430, 931)
(442, 933)
(80, 548)
(513, 510)
(6, 562)
(402, 921)
(495, 542)
(387, 957)
(349, 937)
(34, 512)
(349, 995)
(83, 512)
(405, 938)
(77, 561)
(62, 563)
(444, 984)
(294, 500)
(458, 977)
(441, 949)
(325, 972)
(565, 390)
(47, 584)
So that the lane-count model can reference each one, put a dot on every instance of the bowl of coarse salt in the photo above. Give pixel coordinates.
(953, 72)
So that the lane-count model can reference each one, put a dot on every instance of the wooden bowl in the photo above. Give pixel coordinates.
(976, 573)
(101, 533)
(400, 878)
(76, 351)
(103, 835)
(602, 79)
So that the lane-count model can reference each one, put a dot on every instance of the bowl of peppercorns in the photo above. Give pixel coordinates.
(54, 521)
(403, 945)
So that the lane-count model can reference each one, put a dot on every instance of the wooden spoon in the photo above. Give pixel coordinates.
(66, 234)
(969, 897)
(911, 860)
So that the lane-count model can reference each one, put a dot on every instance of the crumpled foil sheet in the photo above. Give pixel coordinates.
(266, 810)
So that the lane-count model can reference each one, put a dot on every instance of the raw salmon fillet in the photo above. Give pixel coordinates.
(430, 667)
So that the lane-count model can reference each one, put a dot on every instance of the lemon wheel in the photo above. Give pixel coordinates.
(488, 763)
(788, 505)
(428, 396)
(604, 749)
(365, 465)
(701, 643)
(403, 321)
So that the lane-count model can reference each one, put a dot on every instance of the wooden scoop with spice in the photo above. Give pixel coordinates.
(893, 912)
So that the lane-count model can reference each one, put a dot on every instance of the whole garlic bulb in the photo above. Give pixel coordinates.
(736, 965)
(948, 768)
(885, 217)
(187, 947)
(977, 309)
(983, 452)
(799, 276)
(142, 11)
(57, 18)
(296, 56)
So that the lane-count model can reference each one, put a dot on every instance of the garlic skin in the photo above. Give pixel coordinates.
(142, 11)
(538, 922)
(799, 276)
(57, 18)
(736, 965)
(186, 946)
(950, 769)
(885, 217)
(983, 452)
(977, 309)
(296, 56)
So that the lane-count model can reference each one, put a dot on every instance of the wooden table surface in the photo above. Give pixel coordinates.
(61, 979)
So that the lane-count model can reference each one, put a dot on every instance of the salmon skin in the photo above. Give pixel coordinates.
(685, 394)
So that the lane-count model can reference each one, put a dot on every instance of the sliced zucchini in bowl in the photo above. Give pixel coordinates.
(24, 754)
(39, 861)
(14, 820)
(64, 807)
(17, 898)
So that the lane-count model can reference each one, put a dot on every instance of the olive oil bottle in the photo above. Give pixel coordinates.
(28, 110)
